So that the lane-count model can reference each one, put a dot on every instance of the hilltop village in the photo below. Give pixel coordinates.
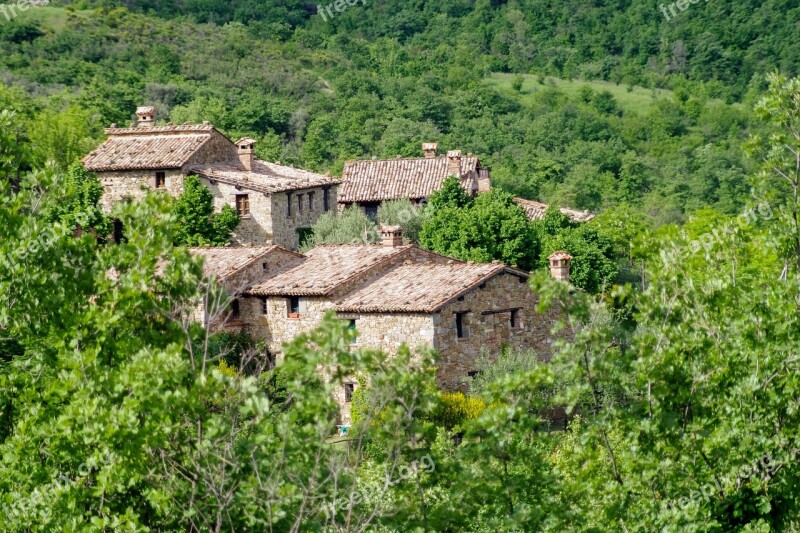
(392, 293)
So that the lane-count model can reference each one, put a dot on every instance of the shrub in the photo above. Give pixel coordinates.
(455, 408)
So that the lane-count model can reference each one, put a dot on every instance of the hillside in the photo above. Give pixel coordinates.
(317, 95)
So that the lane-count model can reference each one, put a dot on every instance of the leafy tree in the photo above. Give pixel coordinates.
(351, 226)
(197, 224)
(404, 214)
(79, 209)
(490, 227)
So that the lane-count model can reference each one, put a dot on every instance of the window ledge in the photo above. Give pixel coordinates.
(245, 217)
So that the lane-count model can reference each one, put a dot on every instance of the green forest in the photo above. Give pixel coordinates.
(672, 405)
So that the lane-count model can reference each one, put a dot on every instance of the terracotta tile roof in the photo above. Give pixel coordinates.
(164, 147)
(390, 179)
(536, 211)
(418, 287)
(223, 262)
(326, 268)
(265, 177)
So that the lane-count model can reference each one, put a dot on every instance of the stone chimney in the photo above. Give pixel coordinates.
(429, 150)
(560, 265)
(246, 152)
(454, 163)
(392, 236)
(146, 116)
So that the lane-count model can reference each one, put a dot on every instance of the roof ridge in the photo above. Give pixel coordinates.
(400, 250)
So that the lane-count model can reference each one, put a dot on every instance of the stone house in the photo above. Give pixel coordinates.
(234, 269)
(368, 183)
(277, 204)
(392, 294)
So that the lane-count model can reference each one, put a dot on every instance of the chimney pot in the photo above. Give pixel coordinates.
(429, 150)
(145, 116)
(392, 236)
(560, 265)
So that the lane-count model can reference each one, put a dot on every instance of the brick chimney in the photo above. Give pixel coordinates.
(146, 116)
(429, 150)
(560, 265)
(392, 236)
(454, 163)
(246, 152)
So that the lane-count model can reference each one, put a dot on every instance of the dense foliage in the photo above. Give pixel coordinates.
(118, 413)
(379, 79)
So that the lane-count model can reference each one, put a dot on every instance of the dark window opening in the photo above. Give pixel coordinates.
(161, 180)
(475, 373)
(461, 330)
(289, 205)
(119, 232)
(299, 203)
(326, 200)
(235, 310)
(243, 205)
(271, 361)
(349, 389)
(294, 307)
(311, 201)
(371, 210)
(264, 306)
(264, 266)
(514, 319)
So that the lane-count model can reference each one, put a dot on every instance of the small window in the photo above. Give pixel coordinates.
(119, 232)
(371, 210)
(294, 307)
(311, 201)
(514, 319)
(264, 266)
(299, 203)
(243, 205)
(326, 200)
(264, 306)
(474, 374)
(349, 389)
(289, 204)
(161, 180)
(352, 327)
(235, 310)
(461, 329)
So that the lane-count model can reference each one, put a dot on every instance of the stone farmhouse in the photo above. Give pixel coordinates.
(277, 204)
(368, 183)
(392, 294)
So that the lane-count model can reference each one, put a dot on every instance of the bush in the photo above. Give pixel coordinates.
(455, 408)
(404, 214)
(351, 226)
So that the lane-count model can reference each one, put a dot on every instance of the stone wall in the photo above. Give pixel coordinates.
(255, 229)
(217, 148)
(489, 331)
(285, 228)
(135, 184)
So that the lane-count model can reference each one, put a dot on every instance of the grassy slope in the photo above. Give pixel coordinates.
(634, 99)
